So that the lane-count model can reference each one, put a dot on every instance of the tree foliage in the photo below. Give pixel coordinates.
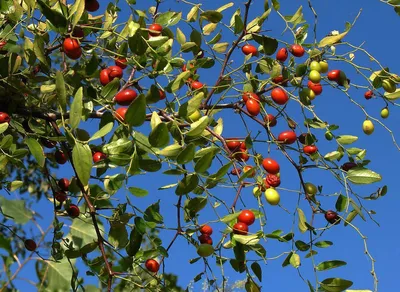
(120, 99)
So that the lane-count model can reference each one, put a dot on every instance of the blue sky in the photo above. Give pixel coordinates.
(376, 27)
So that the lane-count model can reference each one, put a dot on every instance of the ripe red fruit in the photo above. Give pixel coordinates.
(104, 78)
(368, 94)
(270, 165)
(348, 165)
(243, 156)
(334, 75)
(60, 196)
(287, 137)
(125, 97)
(251, 169)
(108, 74)
(204, 238)
(282, 54)
(332, 217)
(78, 32)
(253, 107)
(99, 156)
(30, 244)
(60, 156)
(152, 265)
(120, 113)
(240, 228)
(184, 68)
(249, 49)
(63, 183)
(92, 5)
(48, 143)
(310, 149)
(279, 96)
(316, 87)
(196, 85)
(73, 211)
(155, 29)
(72, 48)
(206, 229)
(279, 80)
(247, 217)
(121, 62)
(4, 118)
(250, 95)
(233, 145)
(272, 180)
(236, 171)
(270, 120)
(162, 94)
(297, 50)
(2, 44)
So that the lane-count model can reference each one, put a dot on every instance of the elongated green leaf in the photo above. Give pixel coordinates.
(38, 48)
(77, 11)
(302, 221)
(331, 40)
(103, 131)
(58, 274)
(212, 16)
(256, 268)
(336, 284)
(3, 127)
(36, 150)
(82, 158)
(360, 175)
(246, 239)
(159, 136)
(323, 244)
(186, 154)
(61, 92)
(136, 113)
(394, 95)
(327, 265)
(75, 114)
(56, 18)
(15, 210)
(295, 260)
(346, 139)
(197, 128)
(187, 184)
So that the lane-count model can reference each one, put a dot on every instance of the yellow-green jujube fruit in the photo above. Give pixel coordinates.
(205, 250)
(272, 196)
(315, 66)
(310, 189)
(314, 76)
(384, 113)
(368, 127)
(324, 66)
(256, 192)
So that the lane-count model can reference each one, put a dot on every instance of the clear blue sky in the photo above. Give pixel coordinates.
(377, 27)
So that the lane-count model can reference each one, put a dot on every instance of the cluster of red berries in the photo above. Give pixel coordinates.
(244, 220)
(205, 237)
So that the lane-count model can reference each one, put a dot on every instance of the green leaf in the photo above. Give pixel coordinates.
(82, 158)
(61, 92)
(187, 154)
(346, 139)
(82, 232)
(332, 155)
(341, 203)
(302, 221)
(35, 148)
(193, 14)
(276, 5)
(360, 175)
(323, 244)
(394, 95)
(76, 109)
(204, 163)
(246, 239)
(335, 284)
(3, 127)
(118, 236)
(111, 89)
(136, 113)
(178, 82)
(212, 16)
(15, 209)
(256, 268)
(138, 192)
(220, 47)
(353, 214)
(270, 45)
(159, 136)
(327, 265)
(77, 11)
(38, 48)
(187, 184)
(194, 103)
(169, 18)
(331, 40)
(180, 36)
(197, 128)
(239, 25)
(152, 213)
(251, 286)
(58, 275)
(15, 185)
(286, 262)
(301, 245)
(113, 183)
(56, 18)
(103, 131)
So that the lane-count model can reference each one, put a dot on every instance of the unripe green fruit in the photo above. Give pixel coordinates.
(384, 113)
(256, 192)
(314, 76)
(205, 250)
(315, 66)
(368, 127)
(310, 189)
(328, 136)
